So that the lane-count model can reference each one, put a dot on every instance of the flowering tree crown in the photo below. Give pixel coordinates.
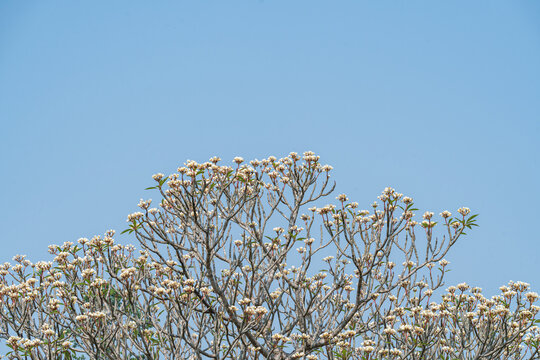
(246, 262)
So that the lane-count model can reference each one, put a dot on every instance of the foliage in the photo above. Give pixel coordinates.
(245, 262)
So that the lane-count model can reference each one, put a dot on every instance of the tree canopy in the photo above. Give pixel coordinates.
(252, 261)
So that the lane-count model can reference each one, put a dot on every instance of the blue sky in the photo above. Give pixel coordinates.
(439, 100)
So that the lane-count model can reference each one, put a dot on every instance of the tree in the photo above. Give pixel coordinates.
(247, 262)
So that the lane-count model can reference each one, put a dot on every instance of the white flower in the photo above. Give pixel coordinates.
(238, 160)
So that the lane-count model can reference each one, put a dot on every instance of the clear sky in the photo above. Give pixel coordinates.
(438, 99)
